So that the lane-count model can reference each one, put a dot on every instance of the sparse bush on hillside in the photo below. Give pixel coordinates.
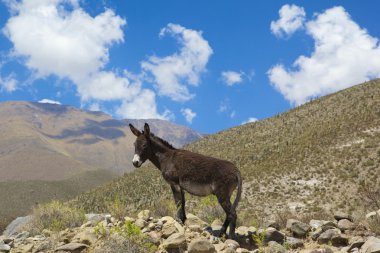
(371, 195)
(54, 216)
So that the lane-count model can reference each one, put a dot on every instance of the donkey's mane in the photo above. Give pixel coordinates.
(162, 141)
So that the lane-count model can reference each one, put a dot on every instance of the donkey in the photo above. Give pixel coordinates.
(187, 171)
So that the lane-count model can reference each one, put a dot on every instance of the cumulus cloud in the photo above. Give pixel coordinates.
(291, 19)
(8, 84)
(173, 74)
(57, 37)
(232, 77)
(188, 114)
(344, 55)
(249, 120)
(49, 101)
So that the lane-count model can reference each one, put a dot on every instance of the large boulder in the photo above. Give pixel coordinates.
(72, 247)
(16, 226)
(345, 224)
(300, 229)
(342, 215)
(333, 236)
(201, 246)
(294, 243)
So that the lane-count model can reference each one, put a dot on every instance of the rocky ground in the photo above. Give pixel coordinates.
(104, 233)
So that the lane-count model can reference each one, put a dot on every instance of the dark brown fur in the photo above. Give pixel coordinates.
(187, 171)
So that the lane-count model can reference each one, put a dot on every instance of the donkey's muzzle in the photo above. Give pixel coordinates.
(136, 161)
(137, 164)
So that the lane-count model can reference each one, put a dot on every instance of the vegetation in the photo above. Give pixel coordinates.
(54, 216)
(309, 160)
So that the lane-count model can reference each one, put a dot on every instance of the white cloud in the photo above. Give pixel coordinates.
(188, 114)
(232, 77)
(49, 101)
(249, 120)
(8, 84)
(142, 106)
(172, 74)
(344, 55)
(69, 43)
(291, 19)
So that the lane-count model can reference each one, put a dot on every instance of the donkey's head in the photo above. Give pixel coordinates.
(142, 145)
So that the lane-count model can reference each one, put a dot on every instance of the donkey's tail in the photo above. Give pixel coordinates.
(239, 190)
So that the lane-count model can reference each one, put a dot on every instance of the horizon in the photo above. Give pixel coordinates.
(233, 63)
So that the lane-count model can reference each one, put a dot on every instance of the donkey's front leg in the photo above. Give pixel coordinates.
(179, 198)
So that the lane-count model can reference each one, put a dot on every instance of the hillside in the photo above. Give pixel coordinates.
(312, 159)
(53, 151)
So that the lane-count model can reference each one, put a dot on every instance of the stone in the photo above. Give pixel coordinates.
(95, 218)
(373, 215)
(168, 229)
(232, 244)
(272, 234)
(333, 236)
(321, 250)
(22, 236)
(220, 246)
(294, 243)
(355, 242)
(176, 241)
(315, 224)
(345, 224)
(72, 247)
(154, 237)
(241, 250)
(191, 219)
(216, 225)
(140, 223)
(341, 215)
(179, 227)
(195, 228)
(272, 224)
(372, 245)
(242, 230)
(25, 248)
(129, 219)
(328, 225)
(300, 229)
(16, 225)
(86, 236)
(289, 223)
(315, 234)
(4, 247)
(275, 247)
(166, 219)
(144, 215)
(201, 246)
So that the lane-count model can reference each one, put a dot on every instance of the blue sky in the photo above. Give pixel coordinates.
(209, 65)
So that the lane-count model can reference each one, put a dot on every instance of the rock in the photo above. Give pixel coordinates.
(141, 223)
(86, 236)
(166, 219)
(4, 247)
(289, 223)
(16, 225)
(355, 242)
(72, 247)
(220, 247)
(315, 234)
(176, 241)
(129, 219)
(333, 236)
(216, 225)
(179, 227)
(232, 244)
(328, 225)
(95, 218)
(201, 246)
(345, 224)
(321, 250)
(275, 247)
(25, 248)
(373, 215)
(241, 250)
(242, 230)
(168, 229)
(272, 234)
(154, 237)
(294, 243)
(144, 215)
(195, 228)
(300, 229)
(341, 215)
(191, 219)
(272, 224)
(22, 236)
(372, 245)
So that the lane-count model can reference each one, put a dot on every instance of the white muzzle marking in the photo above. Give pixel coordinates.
(136, 160)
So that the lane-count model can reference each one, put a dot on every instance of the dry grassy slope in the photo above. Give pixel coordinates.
(54, 142)
(310, 158)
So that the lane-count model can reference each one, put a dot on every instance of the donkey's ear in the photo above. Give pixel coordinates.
(146, 130)
(134, 130)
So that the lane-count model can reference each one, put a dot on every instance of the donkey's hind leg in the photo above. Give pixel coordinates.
(179, 198)
(224, 201)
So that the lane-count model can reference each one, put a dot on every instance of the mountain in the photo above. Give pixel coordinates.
(55, 151)
(320, 157)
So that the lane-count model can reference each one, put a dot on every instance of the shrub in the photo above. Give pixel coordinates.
(55, 216)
